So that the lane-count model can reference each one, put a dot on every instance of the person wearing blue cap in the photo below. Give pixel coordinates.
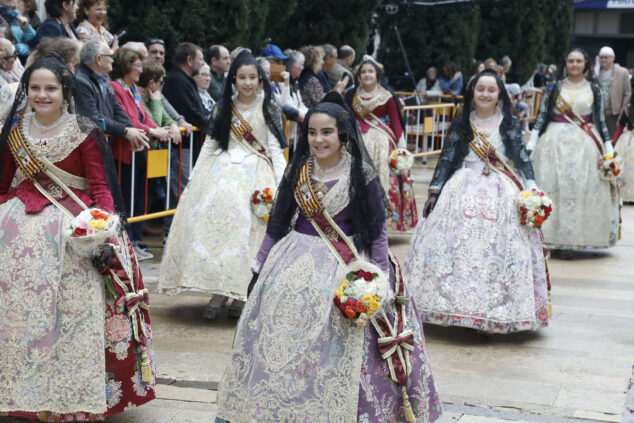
(274, 54)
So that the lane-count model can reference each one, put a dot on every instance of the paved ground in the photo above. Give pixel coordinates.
(574, 370)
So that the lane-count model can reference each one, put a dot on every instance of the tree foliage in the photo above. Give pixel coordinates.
(528, 31)
(289, 23)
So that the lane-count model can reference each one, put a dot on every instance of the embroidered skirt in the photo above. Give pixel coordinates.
(472, 264)
(295, 358)
(215, 235)
(625, 149)
(585, 207)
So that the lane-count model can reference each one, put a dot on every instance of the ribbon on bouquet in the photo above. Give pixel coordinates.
(395, 341)
(124, 271)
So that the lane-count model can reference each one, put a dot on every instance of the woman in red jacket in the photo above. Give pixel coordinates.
(126, 70)
(55, 348)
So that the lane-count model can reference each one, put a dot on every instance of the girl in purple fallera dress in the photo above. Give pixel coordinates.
(295, 357)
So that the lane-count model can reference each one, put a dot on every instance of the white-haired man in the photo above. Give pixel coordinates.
(615, 87)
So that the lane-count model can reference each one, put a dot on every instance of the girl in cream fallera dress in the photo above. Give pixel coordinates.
(585, 207)
(215, 234)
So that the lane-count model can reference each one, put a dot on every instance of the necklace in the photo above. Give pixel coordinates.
(575, 85)
(322, 173)
(44, 128)
(245, 107)
(370, 93)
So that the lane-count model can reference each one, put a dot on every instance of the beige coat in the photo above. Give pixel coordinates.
(620, 90)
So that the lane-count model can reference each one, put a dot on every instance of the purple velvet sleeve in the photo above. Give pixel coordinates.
(265, 248)
(379, 251)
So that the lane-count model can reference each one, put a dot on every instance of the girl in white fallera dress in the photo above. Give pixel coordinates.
(471, 262)
(567, 147)
(215, 235)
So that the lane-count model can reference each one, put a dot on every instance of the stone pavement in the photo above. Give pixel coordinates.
(577, 369)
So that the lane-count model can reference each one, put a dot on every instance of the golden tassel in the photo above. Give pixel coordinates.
(146, 368)
(409, 413)
(550, 306)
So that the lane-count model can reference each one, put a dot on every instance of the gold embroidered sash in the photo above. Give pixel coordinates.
(484, 150)
(312, 208)
(566, 111)
(244, 133)
(371, 119)
(39, 172)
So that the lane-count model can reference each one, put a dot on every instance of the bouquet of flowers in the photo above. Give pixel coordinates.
(610, 166)
(89, 230)
(534, 207)
(262, 203)
(362, 292)
(401, 161)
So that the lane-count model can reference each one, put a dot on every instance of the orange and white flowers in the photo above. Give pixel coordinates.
(401, 161)
(361, 294)
(610, 166)
(534, 207)
(90, 229)
(262, 203)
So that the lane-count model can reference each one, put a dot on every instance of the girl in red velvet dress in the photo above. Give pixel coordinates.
(53, 301)
(377, 111)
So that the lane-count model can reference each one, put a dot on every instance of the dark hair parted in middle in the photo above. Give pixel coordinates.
(222, 123)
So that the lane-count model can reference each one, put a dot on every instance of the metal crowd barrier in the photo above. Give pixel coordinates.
(158, 164)
(427, 127)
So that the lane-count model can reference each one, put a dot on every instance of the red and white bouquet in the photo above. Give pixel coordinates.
(401, 161)
(362, 292)
(610, 166)
(89, 230)
(262, 203)
(534, 207)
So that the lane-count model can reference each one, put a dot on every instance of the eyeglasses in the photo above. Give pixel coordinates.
(155, 41)
(138, 66)
(9, 57)
(107, 55)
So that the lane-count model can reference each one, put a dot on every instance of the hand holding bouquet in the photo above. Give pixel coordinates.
(534, 207)
(262, 203)
(610, 166)
(89, 230)
(361, 293)
(401, 161)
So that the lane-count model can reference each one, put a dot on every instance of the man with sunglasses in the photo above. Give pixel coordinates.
(11, 69)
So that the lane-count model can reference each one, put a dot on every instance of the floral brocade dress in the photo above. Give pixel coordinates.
(625, 149)
(215, 234)
(296, 359)
(382, 133)
(470, 262)
(585, 207)
(56, 352)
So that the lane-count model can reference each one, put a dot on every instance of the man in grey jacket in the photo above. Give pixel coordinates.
(95, 98)
(615, 86)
